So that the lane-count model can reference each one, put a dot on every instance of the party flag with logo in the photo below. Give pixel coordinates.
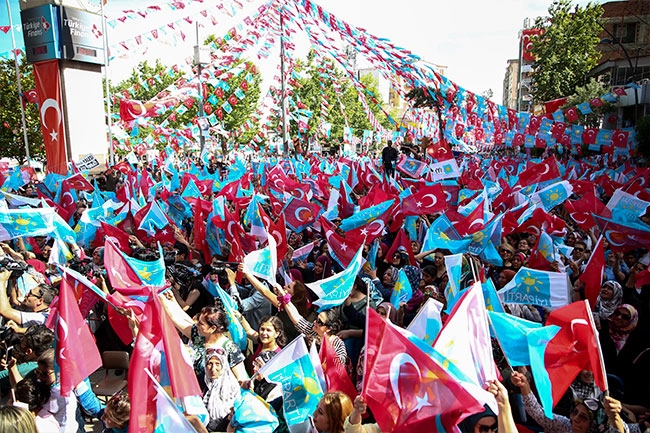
(292, 368)
(531, 286)
(427, 323)
(402, 291)
(333, 291)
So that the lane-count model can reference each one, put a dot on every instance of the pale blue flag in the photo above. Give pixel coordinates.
(427, 323)
(332, 291)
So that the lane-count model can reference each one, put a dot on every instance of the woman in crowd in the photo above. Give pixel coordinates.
(332, 411)
(222, 391)
(352, 314)
(270, 335)
(609, 299)
(117, 414)
(326, 324)
(587, 416)
(519, 259)
(16, 420)
(208, 332)
(35, 395)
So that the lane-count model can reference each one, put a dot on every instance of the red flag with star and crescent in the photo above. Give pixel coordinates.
(427, 200)
(48, 87)
(405, 388)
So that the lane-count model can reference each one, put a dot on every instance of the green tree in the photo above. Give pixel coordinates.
(593, 89)
(12, 142)
(147, 82)
(565, 50)
(313, 80)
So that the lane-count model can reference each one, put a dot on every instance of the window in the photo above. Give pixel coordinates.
(625, 33)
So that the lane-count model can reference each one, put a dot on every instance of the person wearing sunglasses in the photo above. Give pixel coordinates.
(33, 310)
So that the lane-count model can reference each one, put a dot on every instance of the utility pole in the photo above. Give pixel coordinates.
(18, 85)
(285, 142)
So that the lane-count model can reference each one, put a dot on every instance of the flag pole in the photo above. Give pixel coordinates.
(109, 121)
(600, 350)
(18, 85)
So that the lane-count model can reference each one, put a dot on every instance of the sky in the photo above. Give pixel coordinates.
(473, 38)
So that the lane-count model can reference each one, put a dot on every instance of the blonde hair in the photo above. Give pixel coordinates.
(337, 408)
(16, 420)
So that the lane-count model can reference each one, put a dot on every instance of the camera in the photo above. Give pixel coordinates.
(182, 273)
(220, 267)
(9, 264)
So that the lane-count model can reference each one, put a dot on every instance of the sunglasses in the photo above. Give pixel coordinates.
(320, 322)
(33, 295)
(622, 315)
(487, 428)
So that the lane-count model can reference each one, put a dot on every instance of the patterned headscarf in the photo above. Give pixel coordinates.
(619, 335)
(605, 308)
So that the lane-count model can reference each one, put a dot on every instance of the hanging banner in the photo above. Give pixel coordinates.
(48, 87)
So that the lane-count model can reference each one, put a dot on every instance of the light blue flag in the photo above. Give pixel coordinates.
(332, 291)
(263, 263)
(491, 255)
(427, 323)
(150, 273)
(537, 342)
(441, 234)
(454, 265)
(365, 216)
(237, 332)
(191, 190)
(154, 220)
(293, 369)
(15, 180)
(253, 415)
(402, 291)
(16, 223)
(512, 333)
(531, 286)
(553, 195)
(410, 224)
(492, 301)
(372, 254)
(62, 230)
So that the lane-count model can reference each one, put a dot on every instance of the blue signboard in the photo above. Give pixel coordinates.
(41, 33)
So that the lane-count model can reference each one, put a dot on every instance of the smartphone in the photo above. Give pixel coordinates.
(10, 353)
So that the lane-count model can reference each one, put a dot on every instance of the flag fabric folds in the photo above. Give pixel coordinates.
(402, 291)
(531, 286)
(427, 323)
(405, 388)
(76, 361)
(334, 372)
(332, 291)
(292, 368)
(512, 333)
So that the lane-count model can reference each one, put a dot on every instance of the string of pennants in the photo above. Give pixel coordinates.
(467, 119)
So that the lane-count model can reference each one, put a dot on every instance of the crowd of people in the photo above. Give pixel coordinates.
(274, 314)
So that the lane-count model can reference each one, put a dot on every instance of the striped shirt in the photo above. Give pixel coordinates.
(307, 329)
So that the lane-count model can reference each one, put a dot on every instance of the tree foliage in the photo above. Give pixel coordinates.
(316, 79)
(593, 89)
(11, 130)
(565, 50)
(147, 82)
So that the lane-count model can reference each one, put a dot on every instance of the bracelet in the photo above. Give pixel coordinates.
(283, 300)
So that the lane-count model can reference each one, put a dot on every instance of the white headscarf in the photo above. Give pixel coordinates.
(223, 390)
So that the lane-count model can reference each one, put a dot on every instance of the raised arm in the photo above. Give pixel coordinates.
(268, 294)
(6, 310)
(180, 318)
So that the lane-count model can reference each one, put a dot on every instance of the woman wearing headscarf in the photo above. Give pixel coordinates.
(622, 342)
(223, 389)
(610, 298)
(588, 416)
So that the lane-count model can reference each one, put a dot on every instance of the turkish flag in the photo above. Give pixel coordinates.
(278, 230)
(574, 348)
(336, 376)
(78, 182)
(48, 87)
(76, 360)
(405, 388)
(427, 200)
(593, 274)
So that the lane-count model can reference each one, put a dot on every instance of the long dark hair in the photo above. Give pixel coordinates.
(275, 321)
